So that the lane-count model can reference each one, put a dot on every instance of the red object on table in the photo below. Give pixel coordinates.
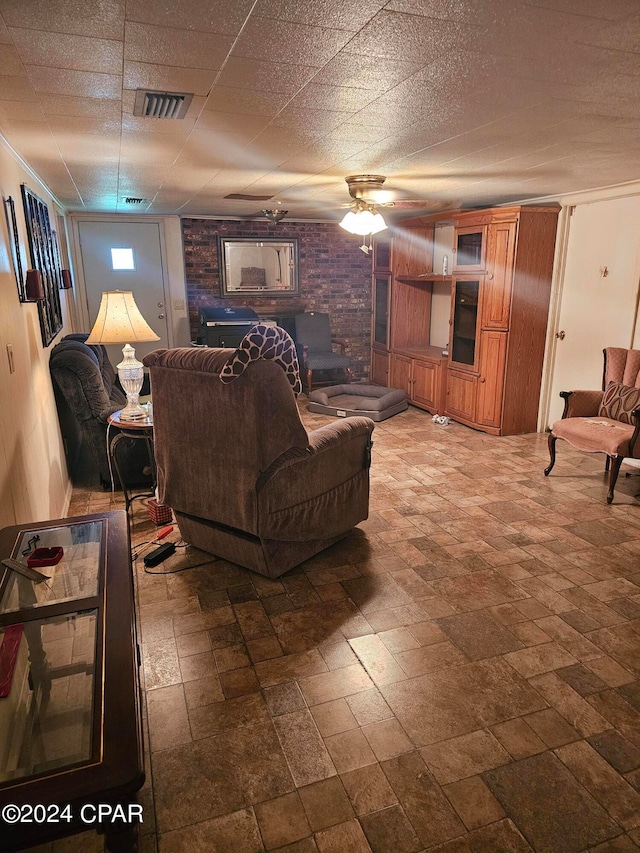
(45, 557)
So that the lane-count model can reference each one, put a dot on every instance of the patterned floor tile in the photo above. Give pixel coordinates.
(458, 675)
(538, 794)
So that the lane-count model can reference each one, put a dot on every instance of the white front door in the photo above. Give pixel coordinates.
(146, 280)
(599, 293)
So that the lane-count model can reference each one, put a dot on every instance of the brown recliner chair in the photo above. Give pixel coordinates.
(245, 480)
(606, 421)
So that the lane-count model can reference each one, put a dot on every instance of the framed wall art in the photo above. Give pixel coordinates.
(45, 257)
(259, 266)
(14, 243)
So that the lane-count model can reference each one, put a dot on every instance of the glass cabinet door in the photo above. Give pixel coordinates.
(470, 248)
(465, 322)
(381, 253)
(381, 285)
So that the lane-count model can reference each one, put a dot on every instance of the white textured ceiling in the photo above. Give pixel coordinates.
(456, 101)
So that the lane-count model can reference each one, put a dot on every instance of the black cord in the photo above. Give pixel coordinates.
(183, 568)
(137, 551)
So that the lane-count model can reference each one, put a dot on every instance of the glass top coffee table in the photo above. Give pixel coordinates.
(70, 725)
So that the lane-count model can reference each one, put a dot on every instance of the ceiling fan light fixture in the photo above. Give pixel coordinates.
(363, 222)
(378, 223)
(275, 215)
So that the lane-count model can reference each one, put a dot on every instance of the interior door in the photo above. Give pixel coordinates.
(146, 280)
(599, 292)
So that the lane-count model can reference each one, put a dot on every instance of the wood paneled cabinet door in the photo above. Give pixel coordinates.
(493, 354)
(413, 252)
(426, 384)
(496, 293)
(401, 372)
(379, 367)
(461, 394)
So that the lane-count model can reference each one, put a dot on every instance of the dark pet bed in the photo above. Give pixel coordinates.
(372, 401)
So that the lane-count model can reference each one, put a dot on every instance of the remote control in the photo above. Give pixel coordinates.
(32, 574)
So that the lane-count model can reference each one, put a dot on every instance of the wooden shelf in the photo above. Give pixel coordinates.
(428, 276)
(421, 351)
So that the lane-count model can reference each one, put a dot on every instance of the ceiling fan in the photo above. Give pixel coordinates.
(368, 190)
(368, 195)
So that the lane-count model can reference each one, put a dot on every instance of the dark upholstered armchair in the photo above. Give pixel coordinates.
(245, 480)
(87, 392)
(313, 337)
(606, 421)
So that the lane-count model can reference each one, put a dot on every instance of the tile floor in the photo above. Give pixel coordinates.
(459, 675)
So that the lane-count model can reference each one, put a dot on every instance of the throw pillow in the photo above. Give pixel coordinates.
(619, 401)
(264, 342)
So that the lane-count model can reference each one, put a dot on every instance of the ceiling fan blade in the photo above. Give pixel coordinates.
(408, 203)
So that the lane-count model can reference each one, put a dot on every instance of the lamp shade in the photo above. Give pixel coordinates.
(34, 288)
(119, 321)
(363, 222)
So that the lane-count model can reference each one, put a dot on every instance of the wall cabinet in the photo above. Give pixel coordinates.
(489, 374)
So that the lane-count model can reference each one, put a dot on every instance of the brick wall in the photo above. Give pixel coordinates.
(334, 276)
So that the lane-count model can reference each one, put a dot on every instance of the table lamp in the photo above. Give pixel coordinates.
(119, 321)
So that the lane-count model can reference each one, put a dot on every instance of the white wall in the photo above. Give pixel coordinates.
(34, 484)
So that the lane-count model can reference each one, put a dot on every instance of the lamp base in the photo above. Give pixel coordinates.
(133, 412)
(131, 375)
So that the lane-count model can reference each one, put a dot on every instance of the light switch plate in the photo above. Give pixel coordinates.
(178, 304)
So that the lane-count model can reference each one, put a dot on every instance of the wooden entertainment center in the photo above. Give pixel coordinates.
(460, 305)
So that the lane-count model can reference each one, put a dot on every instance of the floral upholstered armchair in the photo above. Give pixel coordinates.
(606, 421)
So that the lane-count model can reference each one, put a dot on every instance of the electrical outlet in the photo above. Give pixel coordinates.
(12, 366)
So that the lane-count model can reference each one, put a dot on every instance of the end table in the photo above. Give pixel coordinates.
(136, 430)
(70, 723)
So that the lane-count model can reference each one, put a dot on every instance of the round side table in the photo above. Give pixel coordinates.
(138, 430)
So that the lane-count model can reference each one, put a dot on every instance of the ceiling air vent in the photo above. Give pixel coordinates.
(161, 104)
(134, 200)
(245, 197)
